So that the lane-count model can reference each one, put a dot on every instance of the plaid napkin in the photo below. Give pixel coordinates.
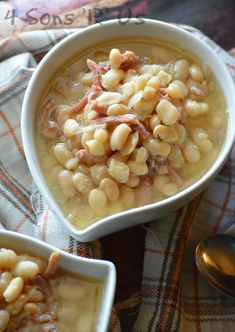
(174, 295)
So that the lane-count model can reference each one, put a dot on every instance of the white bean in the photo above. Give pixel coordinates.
(83, 183)
(176, 158)
(177, 90)
(62, 153)
(101, 135)
(140, 83)
(141, 155)
(137, 168)
(110, 189)
(26, 270)
(135, 99)
(14, 289)
(115, 58)
(8, 258)
(200, 137)
(181, 70)
(87, 136)
(196, 72)
(109, 98)
(198, 134)
(117, 156)
(206, 146)
(130, 144)
(164, 78)
(92, 115)
(191, 152)
(84, 169)
(152, 145)
(5, 279)
(97, 199)
(151, 70)
(181, 131)
(99, 172)
(194, 108)
(167, 112)
(154, 82)
(95, 147)
(117, 109)
(154, 121)
(167, 134)
(119, 171)
(163, 149)
(71, 128)
(149, 93)
(72, 164)
(133, 181)
(111, 79)
(119, 136)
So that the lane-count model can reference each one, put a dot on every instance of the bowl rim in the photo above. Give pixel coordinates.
(109, 279)
(89, 232)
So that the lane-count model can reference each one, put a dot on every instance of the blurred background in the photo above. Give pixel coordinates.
(216, 18)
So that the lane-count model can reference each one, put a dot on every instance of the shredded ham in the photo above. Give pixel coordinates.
(46, 291)
(130, 119)
(173, 175)
(151, 162)
(52, 265)
(141, 130)
(99, 108)
(129, 60)
(79, 107)
(48, 111)
(92, 93)
(47, 120)
(95, 69)
(143, 193)
(81, 155)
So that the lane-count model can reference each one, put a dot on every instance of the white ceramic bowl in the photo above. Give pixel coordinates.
(98, 33)
(93, 268)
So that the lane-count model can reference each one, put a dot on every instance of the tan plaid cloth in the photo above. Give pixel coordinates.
(174, 295)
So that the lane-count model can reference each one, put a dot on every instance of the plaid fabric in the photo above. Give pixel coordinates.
(174, 295)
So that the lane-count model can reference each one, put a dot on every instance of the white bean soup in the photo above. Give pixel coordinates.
(127, 124)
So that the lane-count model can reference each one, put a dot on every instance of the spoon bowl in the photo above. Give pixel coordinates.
(215, 259)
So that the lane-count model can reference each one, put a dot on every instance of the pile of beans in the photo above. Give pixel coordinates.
(22, 299)
(35, 297)
(129, 137)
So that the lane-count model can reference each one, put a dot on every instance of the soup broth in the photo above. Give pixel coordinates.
(132, 125)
